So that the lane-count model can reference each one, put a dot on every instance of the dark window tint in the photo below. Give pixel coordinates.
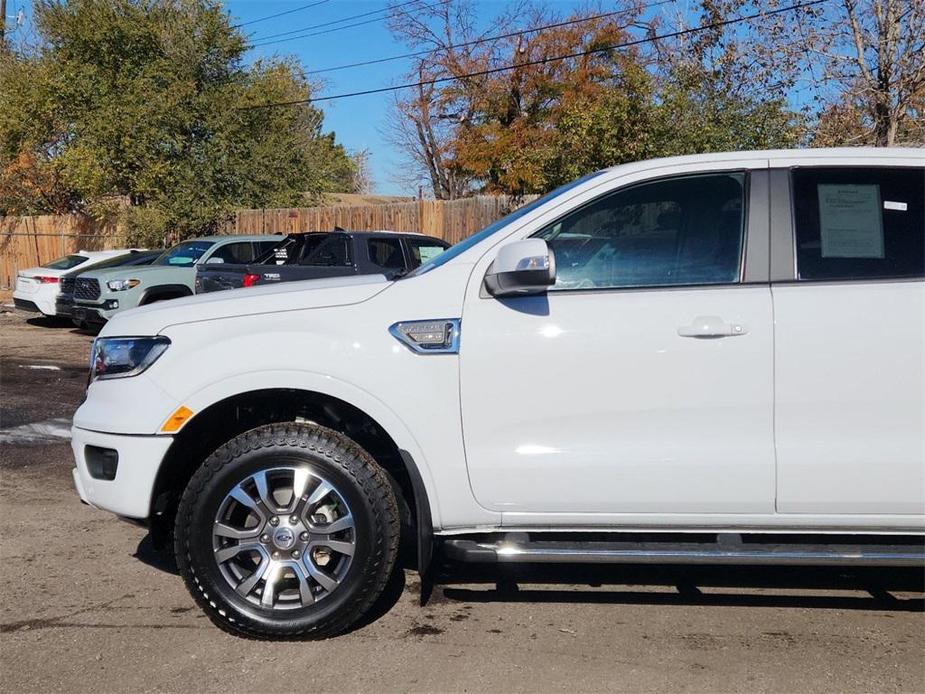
(386, 253)
(66, 263)
(278, 253)
(238, 253)
(422, 250)
(262, 247)
(674, 231)
(859, 223)
(326, 251)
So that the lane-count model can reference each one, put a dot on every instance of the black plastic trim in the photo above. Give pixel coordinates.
(24, 305)
(424, 525)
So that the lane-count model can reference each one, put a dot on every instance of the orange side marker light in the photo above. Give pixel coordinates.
(177, 419)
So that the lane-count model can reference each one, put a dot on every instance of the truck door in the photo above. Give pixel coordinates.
(642, 382)
(850, 344)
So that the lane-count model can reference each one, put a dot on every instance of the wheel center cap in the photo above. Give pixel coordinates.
(284, 538)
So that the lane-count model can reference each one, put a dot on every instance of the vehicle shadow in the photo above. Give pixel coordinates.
(805, 587)
(385, 602)
(50, 322)
(155, 557)
(862, 588)
(163, 560)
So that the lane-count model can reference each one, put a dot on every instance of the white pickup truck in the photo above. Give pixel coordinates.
(705, 359)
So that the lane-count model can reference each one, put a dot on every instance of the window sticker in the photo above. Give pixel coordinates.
(893, 205)
(850, 223)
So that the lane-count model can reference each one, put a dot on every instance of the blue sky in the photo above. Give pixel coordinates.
(359, 122)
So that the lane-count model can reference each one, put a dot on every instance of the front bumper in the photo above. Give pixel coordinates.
(64, 305)
(81, 315)
(129, 494)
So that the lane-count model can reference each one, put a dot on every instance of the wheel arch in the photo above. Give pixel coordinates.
(164, 291)
(226, 417)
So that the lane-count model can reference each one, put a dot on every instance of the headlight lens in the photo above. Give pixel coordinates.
(121, 357)
(122, 285)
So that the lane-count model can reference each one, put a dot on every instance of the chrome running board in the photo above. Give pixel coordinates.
(729, 549)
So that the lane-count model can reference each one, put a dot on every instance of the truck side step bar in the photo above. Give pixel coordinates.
(728, 549)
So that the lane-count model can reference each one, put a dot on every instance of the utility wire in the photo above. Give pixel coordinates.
(375, 20)
(263, 39)
(279, 14)
(485, 39)
(540, 61)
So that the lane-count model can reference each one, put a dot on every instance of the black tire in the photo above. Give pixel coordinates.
(358, 479)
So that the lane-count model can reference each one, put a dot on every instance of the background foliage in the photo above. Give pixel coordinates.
(145, 108)
(140, 108)
(847, 72)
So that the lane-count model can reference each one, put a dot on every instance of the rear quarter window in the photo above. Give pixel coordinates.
(66, 263)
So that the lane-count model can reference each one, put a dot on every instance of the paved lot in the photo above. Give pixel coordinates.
(86, 606)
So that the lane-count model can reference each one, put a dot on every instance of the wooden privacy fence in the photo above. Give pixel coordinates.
(451, 220)
(30, 241)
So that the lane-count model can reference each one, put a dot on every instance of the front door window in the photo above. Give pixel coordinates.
(685, 230)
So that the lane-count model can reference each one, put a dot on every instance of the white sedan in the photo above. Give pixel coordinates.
(38, 287)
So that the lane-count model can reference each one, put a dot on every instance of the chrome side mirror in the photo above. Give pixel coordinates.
(521, 268)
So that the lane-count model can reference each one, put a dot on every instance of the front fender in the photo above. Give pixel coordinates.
(344, 351)
(325, 385)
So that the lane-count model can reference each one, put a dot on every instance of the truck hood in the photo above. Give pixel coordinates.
(119, 273)
(291, 296)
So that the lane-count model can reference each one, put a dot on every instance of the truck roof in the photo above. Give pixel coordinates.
(235, 237)
(785, 157)
(350, 232)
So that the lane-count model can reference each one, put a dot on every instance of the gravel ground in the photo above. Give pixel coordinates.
(87, 606)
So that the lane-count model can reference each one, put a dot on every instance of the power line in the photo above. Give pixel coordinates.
(540, 61)
(263, 39)
(340, 28)
(485, 39)
(280, 14)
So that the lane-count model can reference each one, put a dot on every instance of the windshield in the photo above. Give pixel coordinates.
(184, 253)
(466, 244)
(66, 263)
(127, 259)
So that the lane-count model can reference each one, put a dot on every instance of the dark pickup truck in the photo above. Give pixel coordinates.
(316, 255)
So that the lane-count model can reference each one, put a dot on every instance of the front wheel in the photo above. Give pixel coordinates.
(286, 531)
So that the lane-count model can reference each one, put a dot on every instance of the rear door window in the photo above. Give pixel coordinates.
(859, 223)
(235, 253)
(326, 251)
(262, 247)
(279, 252)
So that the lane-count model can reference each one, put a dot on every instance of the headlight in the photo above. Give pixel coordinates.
(122, 285)
(121, 357)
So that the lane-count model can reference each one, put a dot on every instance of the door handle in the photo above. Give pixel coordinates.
(711, 327)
